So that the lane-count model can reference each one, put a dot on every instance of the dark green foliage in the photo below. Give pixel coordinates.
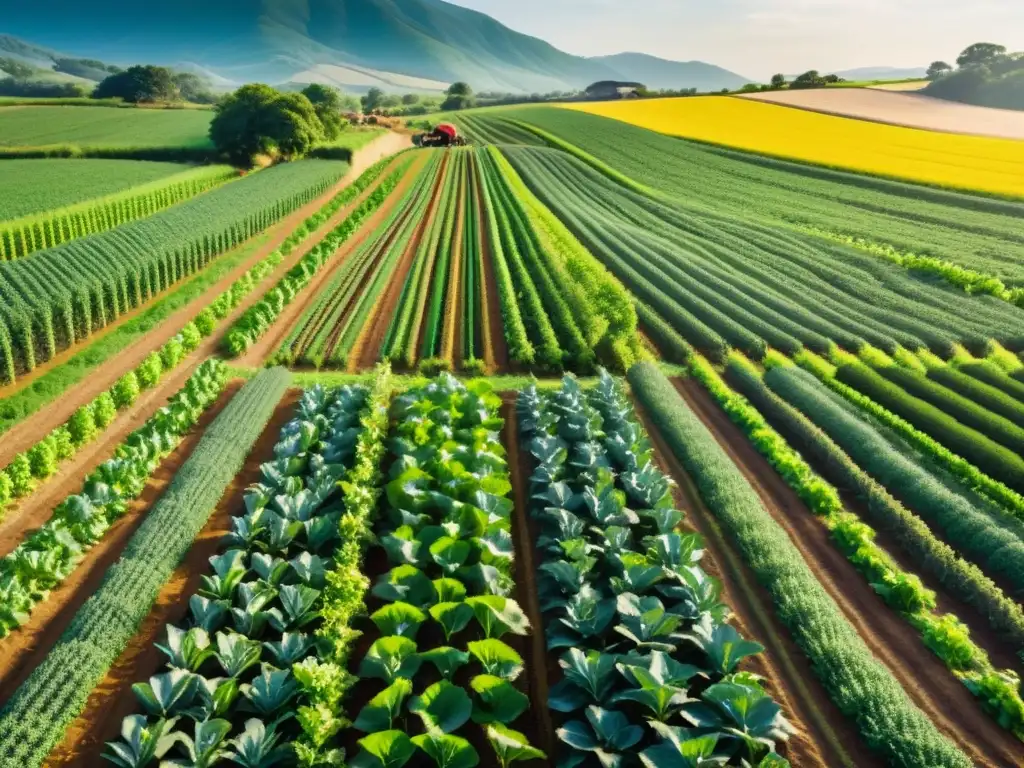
(964, 580)
(258, 120)
(989, 456)
(980, 533)
(994, 376)
(139, 83)
(326, 102)
(42, 459)
(963, 406)
(862, 687)
(82, 425)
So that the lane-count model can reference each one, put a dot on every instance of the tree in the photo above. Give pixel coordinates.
(139, 84)
(980, 54)
(778, 81)
(810, 79)
(258, 120)
(372, 100)
(937, 69)
(326, 102)
(410, 98)
(460, 96)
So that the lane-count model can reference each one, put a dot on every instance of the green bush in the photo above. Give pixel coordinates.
(994, 376)
(989, 456)
(82, 425)
(42, 459)
(996, 547)
(6, 490)
(980, 393)
(104, 410)
(126, 391)
(171, 354)
(20, 473)
(205, 322)
(972, 414)
(191, 338)
(63, 444)
(963, 580)
(861, 686)
(150, 371)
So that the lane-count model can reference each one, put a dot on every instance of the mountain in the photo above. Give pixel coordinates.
(351, 43)
(659, 74)
(882, 73)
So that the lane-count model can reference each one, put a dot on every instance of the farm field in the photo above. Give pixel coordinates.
(580, 445)
(45, 126)
(905, 109)
(946, 160)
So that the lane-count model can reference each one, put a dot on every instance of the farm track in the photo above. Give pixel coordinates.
(825, 738)
(26, 433)
(26, 647)
(367, 349)
(524, 532)
(258, 353)
(112, 699)
(891, 639)
(493, 337)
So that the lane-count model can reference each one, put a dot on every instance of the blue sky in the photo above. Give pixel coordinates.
(757, 39)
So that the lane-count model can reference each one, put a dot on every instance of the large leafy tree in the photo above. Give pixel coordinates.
(459, 96)
(938, 69)
(980, 54)
(327, 103)
(259, 120)
(141, 83)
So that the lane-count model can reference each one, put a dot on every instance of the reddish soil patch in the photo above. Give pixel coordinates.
(112, 700)
(825, 736)
(538, 665)
(25, 434)
(495, 353)
(27, 646)
(258, 353)
(367, 349)
(892, 640)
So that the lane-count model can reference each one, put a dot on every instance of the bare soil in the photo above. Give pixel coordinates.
(112, 700)
(451, 336)
(257, 355)
(825, 736)
(892, 639)
(910, 110)
(27, 646)
(25, 434)
(495, 352)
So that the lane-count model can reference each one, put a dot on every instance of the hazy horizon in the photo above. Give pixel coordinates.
(758, 39)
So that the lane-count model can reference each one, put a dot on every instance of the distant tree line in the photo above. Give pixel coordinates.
(985, 74)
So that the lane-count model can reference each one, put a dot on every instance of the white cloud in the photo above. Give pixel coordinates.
(758, 38)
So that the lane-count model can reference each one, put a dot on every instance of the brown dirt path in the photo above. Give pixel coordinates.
(451, 337)
(538, 669)
(25, 648)
(112, 700)
(367, 349)
(25, 434)
(492, 321)
(257, 354)
(892, 640)
(825, 736)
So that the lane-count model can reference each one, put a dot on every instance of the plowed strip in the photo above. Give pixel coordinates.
(26, 647)
(826, 738)
(278, 332)
(112, 700)
(892, 640)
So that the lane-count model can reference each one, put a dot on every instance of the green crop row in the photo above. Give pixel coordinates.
(256, 320)
(903, 591)
(861, 686)
(59, 296)
(994, 376)
(246, 659)
(37, 714)
(21, 237)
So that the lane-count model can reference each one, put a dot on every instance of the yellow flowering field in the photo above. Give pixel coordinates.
(950, 160)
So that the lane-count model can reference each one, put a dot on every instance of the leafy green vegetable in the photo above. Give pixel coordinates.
(390, 658)
(383, 710)
(498, 701)
(443, 707)
(447, 751)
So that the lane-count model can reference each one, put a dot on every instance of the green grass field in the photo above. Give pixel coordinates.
(31, 126)
(34, 186)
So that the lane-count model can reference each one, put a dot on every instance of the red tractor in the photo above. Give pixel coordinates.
(445, 135)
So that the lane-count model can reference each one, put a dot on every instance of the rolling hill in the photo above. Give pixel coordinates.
(379, 42)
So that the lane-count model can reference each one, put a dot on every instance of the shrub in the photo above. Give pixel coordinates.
(989, 456)
(191, 338)
(42, 459)
(433, 366)
(63, 445)
(6, 490)
(104, 410)
(20, 473)
(82, 425)
(951, 640)
(474, 367)
(205, 322)
(150, 371)
(126, 390)
(171, 353)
